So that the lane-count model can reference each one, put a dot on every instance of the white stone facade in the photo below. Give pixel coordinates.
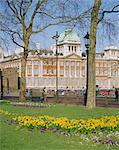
(41, 69)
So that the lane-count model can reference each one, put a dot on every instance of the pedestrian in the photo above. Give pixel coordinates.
(116, 94)
(30, 94)
(85, 97)
(44, 94)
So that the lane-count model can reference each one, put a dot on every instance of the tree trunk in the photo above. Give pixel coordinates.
(22, 95)
(91, 89)
(23, 80)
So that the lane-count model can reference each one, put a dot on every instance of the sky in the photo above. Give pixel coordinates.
(104, 37)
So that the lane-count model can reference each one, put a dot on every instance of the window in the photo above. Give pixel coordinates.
(29, 69)
(36, 82)
(72, 48)
(83, 70)
(50, 71)
(75, 48)
(67, 70)
(69, 48)
(67, 63)
(54, 63)
(101, 71)
(101, 64)
(97, 71)
(72, 71)
(105, 64)
(105, 71)
(72, 63)
(35, 62)
(50, 62)
(29, 81)
(35, 70)
(44, 71)
(61, 71)
(61, 63)
(114, 73)
(47, 70)
(78, 63)
(77, 71)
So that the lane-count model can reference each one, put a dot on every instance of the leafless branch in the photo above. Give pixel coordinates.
(12, 32)
(29, 4)
(107, 11)
(13, 39)
(13, 9)
(67, 19)
(39, 3)
(21, 8)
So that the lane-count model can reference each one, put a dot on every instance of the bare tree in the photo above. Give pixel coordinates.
(25, 18)
(91, 94)
(28, 17)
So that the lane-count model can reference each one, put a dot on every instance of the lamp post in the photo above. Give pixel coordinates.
(86, 40)
(55, 37)
(1, 78)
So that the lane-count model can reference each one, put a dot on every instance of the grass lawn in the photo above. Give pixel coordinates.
(22, 139)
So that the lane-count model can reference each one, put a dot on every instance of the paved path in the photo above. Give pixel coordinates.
(100, 102)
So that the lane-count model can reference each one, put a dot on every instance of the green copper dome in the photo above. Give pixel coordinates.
(68, 35)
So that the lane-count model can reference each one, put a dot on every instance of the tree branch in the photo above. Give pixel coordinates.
(68, 20)
(39, 3)
(109, 11)
(48, 14)
(13, 39)
(13, 9)
(21, 8)
(12, 32)
(51, 24)
(29, 4)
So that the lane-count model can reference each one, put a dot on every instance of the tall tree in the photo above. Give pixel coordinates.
(95, 20)
(91, 87)
(29, 17)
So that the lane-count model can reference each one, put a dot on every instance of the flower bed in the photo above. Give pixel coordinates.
(27, 105)
(31, 104)
(73, 126)
(103, 130)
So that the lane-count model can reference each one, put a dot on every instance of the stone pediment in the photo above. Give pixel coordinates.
(73, 56)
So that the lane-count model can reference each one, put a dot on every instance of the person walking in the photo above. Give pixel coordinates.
(31, 94)
(85, 97)
(116, 94)
(44, 94)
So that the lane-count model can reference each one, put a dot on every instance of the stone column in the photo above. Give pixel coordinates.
(19, 68)
(109, 82)
(32, 73)
(64, 69)
(80, 69)
(75, 68)
(69, 62)
(41, 68)
(58, 67)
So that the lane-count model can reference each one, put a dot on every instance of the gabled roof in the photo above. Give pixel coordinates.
(73, 56)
